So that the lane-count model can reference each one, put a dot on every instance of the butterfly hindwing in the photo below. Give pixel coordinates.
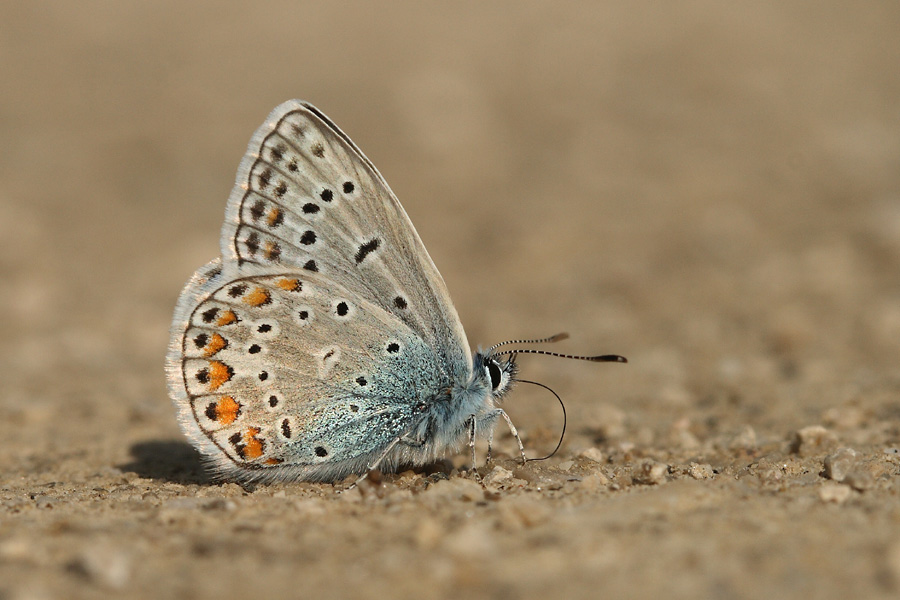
(286, 374)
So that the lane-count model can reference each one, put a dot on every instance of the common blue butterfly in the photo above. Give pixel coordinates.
(323, 342)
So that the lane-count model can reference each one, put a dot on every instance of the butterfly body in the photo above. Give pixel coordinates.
(324, 342)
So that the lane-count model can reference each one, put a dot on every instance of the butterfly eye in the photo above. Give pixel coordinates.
(494, 371)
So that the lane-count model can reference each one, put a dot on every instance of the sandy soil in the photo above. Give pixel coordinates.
(712, 190)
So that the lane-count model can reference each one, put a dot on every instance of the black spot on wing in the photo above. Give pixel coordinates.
(264, 178)
(252, 243)
(277, 153)
(257, 210)
(365, 249)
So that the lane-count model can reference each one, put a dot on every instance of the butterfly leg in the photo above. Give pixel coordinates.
(490, 448)
(473, 429)
(491, 417)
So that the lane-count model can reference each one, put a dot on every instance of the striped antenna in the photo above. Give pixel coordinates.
(553, 338)
(601, 358)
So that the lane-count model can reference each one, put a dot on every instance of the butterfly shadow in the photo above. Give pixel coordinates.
(170, 461)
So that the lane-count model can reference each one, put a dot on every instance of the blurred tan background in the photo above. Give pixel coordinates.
(711, 189)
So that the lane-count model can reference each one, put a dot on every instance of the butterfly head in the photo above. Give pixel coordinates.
(499, 369)
(498, 373)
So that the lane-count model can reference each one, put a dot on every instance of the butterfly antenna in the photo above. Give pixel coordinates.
(562, 434)
(601, 358)
(553, 338)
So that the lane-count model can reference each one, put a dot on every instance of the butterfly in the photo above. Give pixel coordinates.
(323, 343)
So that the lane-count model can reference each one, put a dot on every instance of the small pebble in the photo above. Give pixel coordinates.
(834, 492)
(744, 439)
(594, 454)
(814, 439)
(498, 477)
(651, 472)
(44, 501)
(860, 479)
(681, 437)
(698, 471)
(594, 481)
(839, 464)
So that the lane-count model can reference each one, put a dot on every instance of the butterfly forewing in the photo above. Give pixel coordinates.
(307, 198)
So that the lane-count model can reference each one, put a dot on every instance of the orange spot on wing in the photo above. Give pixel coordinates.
(289, 285)
(274, 461)
(258, 297)
(227, 410)
(215, 344)
(272, 250)
(274, 217)
(219, 374)
(226, 318)
(253, 446)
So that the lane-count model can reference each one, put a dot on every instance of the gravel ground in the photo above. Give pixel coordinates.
(711, 189)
